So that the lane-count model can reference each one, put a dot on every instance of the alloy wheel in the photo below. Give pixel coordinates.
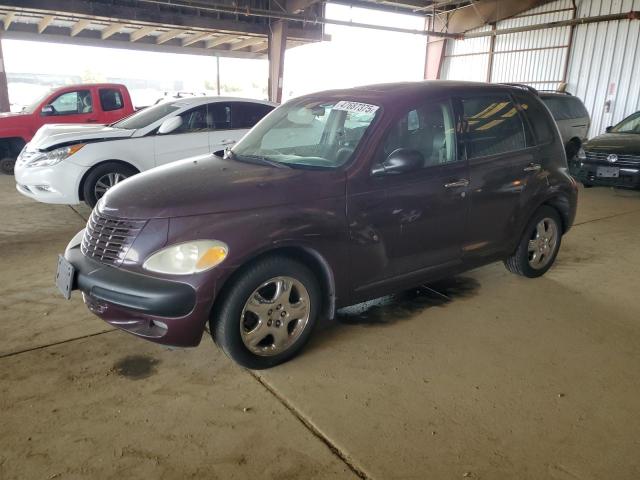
(105, 182)
(274, 316)
(542, 244)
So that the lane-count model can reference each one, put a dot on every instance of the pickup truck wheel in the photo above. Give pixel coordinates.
(539, 245)
(102, 178)
(7, 164)
(268, 313)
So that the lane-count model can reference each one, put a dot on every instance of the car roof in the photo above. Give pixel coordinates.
(202, 100)
(390, 93)
(85, 85)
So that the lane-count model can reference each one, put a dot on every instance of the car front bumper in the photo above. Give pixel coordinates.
(586, 173)
(159, 310)
(55, 184)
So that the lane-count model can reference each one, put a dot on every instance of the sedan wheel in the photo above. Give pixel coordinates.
(105, 182)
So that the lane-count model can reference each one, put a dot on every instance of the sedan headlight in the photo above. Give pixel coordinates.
(187, 258)
(47, 159)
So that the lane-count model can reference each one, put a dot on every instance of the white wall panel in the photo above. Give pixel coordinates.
(603, 67)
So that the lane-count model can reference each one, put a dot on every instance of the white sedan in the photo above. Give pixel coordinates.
(72, 163)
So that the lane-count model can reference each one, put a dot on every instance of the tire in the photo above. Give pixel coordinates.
(276, 334)
(116, 172)
(7, 164)
(535, 263)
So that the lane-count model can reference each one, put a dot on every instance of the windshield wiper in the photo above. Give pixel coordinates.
(255, 159)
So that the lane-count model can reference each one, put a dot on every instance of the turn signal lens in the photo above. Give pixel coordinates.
(187, 258)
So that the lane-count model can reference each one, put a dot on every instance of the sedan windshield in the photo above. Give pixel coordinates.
(312, 133)
(630, 124)
(146, 117)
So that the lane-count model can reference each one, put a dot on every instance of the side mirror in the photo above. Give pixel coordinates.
(402, 160)
(47, 110)
(609, 128)
(170, 125)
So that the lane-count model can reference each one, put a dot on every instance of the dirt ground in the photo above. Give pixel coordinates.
(485, 375)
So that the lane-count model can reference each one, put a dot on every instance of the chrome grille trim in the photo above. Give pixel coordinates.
(107, 239)
(602, 157)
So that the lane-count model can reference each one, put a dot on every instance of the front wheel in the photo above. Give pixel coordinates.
(102, 178)
(268, 313)
(7, 164)
(538, 246)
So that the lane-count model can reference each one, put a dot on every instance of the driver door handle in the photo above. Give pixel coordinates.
(92, 120)
(227, 142)
(533, 167)
(463, 182)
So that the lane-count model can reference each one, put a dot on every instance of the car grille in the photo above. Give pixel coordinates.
(602, 157)
(108, 239)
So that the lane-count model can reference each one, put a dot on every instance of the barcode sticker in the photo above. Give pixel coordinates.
(355, 107)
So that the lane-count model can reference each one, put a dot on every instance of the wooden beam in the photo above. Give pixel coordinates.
(45, 22)
(110, 30)
(247, 42)
(79, 26)
(140, 33)
(214, 42)
(261, 47)
(198, 37)
(166, 36)
(8, 18)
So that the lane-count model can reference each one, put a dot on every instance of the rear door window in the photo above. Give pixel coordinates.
(491, 125)
(110, 99)
(247, 114)
(538, 118)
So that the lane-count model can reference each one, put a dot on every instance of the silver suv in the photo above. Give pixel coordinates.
(572, 118)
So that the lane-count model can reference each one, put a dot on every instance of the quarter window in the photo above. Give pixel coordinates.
(110, 99)
(428, 130)
(70, 103)
(492, 125)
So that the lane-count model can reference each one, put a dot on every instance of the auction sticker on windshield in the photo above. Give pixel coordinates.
(355, 107)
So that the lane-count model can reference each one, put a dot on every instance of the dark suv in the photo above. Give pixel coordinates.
(332, 199)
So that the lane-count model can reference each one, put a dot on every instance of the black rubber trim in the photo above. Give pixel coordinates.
(149, 295)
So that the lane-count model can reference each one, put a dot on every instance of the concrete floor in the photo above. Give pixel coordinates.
(486, 375)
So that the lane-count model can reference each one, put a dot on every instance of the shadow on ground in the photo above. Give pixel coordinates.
(399, 306)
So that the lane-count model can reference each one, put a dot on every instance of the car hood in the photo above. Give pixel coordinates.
(210, 184)
(53, 135)
(628, 143)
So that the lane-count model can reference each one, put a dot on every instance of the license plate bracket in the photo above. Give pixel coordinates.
(608, 172)
(65, 275)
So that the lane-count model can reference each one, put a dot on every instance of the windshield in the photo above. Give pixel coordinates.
(312, 133)
(630, 124)
(32, 108)
(146, 117)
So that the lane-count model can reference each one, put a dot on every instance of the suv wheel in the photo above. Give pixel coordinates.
(7, 164)
(102, 178)
(268, 314)
(538, 246)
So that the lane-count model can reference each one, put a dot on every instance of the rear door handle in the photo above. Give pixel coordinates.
(533, 167)
(92, 120)
(463, 182)
(227, 142)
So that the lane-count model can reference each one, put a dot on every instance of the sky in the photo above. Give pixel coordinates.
(354, 56)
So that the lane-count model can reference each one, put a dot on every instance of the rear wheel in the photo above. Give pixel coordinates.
(538, 246)
(102, 178)
(268, 313)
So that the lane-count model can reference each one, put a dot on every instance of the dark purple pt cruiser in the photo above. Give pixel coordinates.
(332, 199)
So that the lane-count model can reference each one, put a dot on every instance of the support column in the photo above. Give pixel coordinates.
(218, 73)
(435, 51)
(5, 106)
(277, 46)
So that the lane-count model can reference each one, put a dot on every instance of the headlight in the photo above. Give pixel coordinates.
(187, 258)
(581, 154)
(47, 159)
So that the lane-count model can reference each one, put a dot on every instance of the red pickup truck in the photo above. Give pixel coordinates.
(86, 103)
